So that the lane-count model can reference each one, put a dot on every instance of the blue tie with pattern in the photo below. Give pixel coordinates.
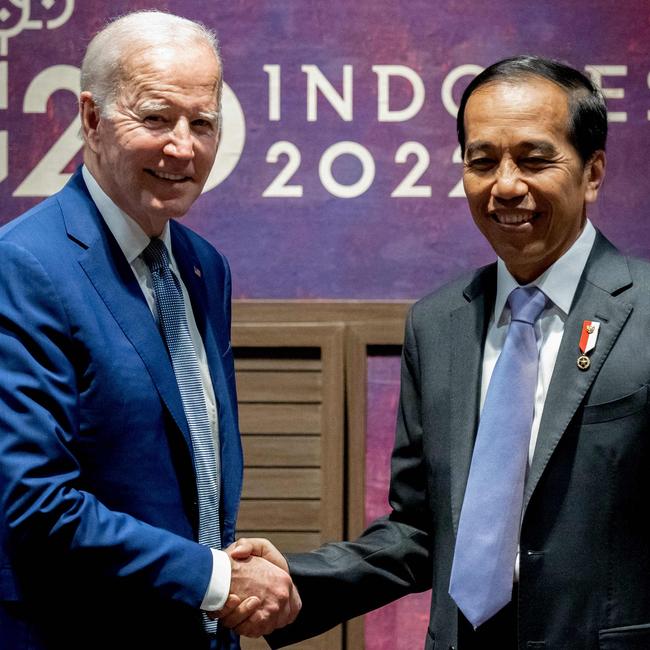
(488, 530)
(176, 332)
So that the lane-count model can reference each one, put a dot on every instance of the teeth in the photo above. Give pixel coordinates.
(513, 218)
(168, 177)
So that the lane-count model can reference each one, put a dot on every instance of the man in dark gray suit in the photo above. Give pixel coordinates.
(576, 563)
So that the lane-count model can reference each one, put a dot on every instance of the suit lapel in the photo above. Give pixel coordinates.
(597, 298)
(109, 272)
(468, 328)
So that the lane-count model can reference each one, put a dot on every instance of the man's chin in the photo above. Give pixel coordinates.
(153, 217)
(169, 209)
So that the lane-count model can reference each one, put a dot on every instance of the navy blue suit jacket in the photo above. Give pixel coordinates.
(98, 504)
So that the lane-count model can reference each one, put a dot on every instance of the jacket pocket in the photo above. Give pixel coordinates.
(616, 409)
(630, 637)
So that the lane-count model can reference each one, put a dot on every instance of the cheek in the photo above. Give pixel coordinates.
(205, 155)
(477, 199)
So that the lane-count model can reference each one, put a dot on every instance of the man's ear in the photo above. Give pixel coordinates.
(594, 175)
(90, 116)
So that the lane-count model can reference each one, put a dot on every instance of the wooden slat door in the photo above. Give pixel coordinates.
(290, 383)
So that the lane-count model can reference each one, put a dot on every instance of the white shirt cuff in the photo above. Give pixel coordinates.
(219, 585)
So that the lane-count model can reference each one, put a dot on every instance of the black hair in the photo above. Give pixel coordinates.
(587, 128)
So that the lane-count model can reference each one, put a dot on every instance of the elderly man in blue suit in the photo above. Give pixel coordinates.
(120, 457)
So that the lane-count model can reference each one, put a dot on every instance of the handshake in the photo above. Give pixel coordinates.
(262, 595)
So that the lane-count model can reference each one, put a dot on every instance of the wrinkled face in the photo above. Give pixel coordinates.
(526, 185)
(153, 152)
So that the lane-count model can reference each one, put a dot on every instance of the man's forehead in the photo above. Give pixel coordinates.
(517, 89)
(154, 75)
(159, 58)
(528, 102)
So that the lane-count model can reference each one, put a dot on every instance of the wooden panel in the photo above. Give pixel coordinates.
(279, 418)
(280, 363)
(254, 644)
(333, 425)
(327, 641)
(287, 542)
(279, 515)
(322, 311)
(360, 338)
(279, 386)
(284, 335)
(279, 451)
(290, 380)
(281, 483)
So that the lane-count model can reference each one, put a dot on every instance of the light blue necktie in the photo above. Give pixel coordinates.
(488, 531)
(176, 332)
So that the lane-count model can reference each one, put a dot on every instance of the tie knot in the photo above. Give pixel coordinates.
(155, 255)
(526, 304)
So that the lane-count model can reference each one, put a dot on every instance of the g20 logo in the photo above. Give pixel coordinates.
(47, 177)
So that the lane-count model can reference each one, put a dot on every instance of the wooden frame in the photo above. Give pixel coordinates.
(352, 327)
(360, 338)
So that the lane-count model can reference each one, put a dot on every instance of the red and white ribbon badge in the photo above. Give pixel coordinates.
(589, 335)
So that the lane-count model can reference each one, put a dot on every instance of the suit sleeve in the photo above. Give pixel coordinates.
(392, 557)
(43, 510)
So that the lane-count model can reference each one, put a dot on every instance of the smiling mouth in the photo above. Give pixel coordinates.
(174, 178)
(513, 218)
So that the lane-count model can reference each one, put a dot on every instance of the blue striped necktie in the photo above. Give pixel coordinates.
(488, 530)
(173, 322)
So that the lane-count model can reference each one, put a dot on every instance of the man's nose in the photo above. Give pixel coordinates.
(180, 143)
(508, 183)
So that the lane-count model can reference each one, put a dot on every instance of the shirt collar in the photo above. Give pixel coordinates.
(559, 282)
(130, 237)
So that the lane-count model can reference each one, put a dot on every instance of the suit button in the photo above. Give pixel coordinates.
(452, 647)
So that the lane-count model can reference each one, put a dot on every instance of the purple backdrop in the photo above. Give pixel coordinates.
(320, 245)
(301, 238)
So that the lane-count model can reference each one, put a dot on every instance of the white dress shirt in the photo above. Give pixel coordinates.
(559, 283)
(132, 240)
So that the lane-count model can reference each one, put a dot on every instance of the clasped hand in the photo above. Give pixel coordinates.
(262, 595)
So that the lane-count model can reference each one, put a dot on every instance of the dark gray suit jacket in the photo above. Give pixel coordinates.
(585, 546)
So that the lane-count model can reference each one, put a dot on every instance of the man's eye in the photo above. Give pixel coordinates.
(153, 119)
(481, 164)
(535, 161)
(202, 124)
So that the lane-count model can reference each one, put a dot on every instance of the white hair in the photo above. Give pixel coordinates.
(107, 53)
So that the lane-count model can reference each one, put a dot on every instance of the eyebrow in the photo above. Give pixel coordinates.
(212, 116)
(153, 107)
(473, 147)
(542, 146)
